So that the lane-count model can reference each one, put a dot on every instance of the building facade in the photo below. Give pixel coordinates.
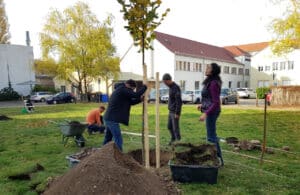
(16, 67)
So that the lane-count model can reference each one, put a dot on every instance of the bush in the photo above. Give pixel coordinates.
(8, 93)
(261, 91)
(38, 88)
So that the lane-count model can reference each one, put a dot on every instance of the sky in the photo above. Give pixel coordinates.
(215, 22)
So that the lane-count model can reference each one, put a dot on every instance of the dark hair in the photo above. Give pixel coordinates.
(167, 77)
(215, 74)
(131, 83)
(102, 107)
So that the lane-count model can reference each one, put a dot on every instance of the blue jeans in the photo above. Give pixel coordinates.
(113, 131)
(211, 131)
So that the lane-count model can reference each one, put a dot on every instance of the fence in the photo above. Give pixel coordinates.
(285, 95)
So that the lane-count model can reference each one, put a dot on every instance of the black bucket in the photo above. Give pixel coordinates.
(194, 173)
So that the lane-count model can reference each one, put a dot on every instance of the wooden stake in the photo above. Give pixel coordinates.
(145, 115)
(157, 139)
(263, 149)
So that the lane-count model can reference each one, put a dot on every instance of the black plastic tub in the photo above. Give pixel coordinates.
(194, 173)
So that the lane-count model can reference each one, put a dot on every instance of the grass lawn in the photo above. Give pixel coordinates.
(29, 139)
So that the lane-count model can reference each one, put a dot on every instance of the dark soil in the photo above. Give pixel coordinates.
(204, 155)
(27, 175)
(109, 171)
(232, 140)
(4, 118)
(165, 156)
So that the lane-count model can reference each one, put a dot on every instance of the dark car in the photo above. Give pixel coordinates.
(63, 97)
(228, 95)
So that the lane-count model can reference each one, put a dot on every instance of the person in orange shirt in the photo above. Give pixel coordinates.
(95, 120)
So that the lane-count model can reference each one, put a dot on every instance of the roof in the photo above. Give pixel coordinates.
(182, 46)
(238, 50)
(124, 76)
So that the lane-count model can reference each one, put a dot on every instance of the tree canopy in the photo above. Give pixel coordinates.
(80, 45)
(4, 26)
(287, 29)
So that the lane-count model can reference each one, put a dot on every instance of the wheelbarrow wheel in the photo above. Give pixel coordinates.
(80, 141)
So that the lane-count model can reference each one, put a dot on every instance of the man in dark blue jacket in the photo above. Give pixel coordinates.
(119, 109)
(174, 107)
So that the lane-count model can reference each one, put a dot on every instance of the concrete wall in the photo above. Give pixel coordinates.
(19, 59)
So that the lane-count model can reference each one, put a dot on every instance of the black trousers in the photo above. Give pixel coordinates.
(173, 126)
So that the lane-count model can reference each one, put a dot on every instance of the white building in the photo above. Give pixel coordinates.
(186, 61)
(268, 69)
(16, 65)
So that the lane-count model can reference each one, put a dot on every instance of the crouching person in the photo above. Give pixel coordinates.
(95, 120)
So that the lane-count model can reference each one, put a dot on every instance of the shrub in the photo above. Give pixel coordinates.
(261, 91)
(8, 93)
(44, 88)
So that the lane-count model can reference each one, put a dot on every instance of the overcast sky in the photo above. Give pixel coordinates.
(216, 22)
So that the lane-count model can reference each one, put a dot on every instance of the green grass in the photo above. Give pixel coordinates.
(29, 139)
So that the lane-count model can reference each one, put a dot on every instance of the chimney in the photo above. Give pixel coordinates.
(27, 38)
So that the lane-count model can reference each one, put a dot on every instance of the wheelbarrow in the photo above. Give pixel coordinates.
(73, 129)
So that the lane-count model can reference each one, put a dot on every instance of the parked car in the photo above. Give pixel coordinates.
(164, 98)
(246, 93)
(40, 96)
(63, 97)
(193, 96)
(228, 95)
(162, 92)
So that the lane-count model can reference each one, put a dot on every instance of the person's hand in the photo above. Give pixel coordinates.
(199, 107)
(203, 117)
(177, 116)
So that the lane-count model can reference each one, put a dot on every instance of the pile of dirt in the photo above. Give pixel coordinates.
(4, 118)
(204, 155)
(109, 171)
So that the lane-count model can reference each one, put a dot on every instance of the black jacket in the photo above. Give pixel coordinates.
(175, 101)
(120, 102)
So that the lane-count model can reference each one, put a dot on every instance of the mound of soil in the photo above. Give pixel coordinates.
(4, 118)
(109, 171)
(204, 155)
(165, 156)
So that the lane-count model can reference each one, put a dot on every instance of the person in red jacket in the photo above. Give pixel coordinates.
(95, 120)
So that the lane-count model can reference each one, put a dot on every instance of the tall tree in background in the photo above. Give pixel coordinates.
(4, 26)
(80, 45)
(287, 29)
(143, 18)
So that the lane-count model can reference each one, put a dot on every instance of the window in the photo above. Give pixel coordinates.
(263, 84)
(197, 85)
(247, 59)
(226, 69)
(290, 65)
(63, 88)
(188, 66)
(282, 66)
(180, 65)
(260, 68)
(182, 85)
(233, 70)
(238, 85)
(267, 68)
(200, 67)
(286, 82)
(275, 66)
(247, 72)
(246, 84)
(241, 71)
(184, 66)
(229, 84)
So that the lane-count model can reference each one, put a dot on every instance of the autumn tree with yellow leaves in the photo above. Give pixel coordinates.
(80, 46)
(287, 29)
